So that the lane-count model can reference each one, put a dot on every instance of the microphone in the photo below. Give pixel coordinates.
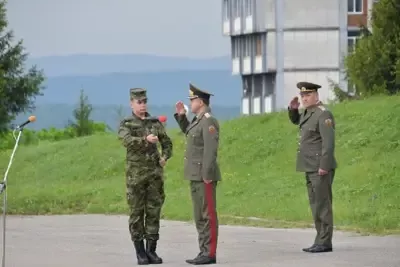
(162, 118)
(30, 119)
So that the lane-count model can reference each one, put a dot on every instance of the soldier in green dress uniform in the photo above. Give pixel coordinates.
(315, 157)
(202, 170)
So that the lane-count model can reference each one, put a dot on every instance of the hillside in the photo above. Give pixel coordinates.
(257, 159)
(58, 115)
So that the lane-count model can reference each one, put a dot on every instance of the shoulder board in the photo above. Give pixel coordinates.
(207, 115)
(322, 107)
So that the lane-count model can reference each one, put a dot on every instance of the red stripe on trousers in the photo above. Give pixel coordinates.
(213, 219)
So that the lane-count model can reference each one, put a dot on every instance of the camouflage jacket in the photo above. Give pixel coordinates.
(133, 132)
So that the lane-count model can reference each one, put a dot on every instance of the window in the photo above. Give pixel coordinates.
(247, 85)
(236, 46)
(352, 37)
(248, 7)
(226, 10)
(236, 8)
(246, 39)
(258, 44)
(258, 85)
(355, 6)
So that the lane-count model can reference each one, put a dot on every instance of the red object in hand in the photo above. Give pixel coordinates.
(162, 118)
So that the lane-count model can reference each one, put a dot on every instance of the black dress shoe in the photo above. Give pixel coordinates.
(192, 260)
(320, 249)
(202, 260)
(308, 249)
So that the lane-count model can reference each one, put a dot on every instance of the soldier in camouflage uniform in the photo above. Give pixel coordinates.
(202, 170)
(140, 134)
(315, 157)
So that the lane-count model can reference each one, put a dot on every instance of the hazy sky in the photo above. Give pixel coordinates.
(190, 28)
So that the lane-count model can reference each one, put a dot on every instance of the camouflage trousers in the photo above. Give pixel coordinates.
(145, 197)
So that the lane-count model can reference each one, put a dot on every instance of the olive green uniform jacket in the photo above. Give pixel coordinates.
(202, 140)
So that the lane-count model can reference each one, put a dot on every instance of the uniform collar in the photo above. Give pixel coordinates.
(313, 107)
(137, 117)
(200, 115)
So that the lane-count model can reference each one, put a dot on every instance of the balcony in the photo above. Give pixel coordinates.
(226, 29)
(237, 28)
(245, 106)
(256, 105)
(246, 65)
(258, 64)
(235, 66)
(268, 104)
(248, 24)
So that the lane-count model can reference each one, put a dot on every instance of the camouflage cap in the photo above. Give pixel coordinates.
(138, 93)
(306, 87)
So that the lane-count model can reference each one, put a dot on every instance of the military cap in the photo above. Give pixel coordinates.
(138, 93)
(306, 87)
(195, 92)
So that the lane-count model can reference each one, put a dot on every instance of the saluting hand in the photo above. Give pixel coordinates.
(180, 108)
(294, 104)
(151, 138)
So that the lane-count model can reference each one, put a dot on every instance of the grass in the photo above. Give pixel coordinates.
(257, 158)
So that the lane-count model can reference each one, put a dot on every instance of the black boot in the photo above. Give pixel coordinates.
(151, 246)
(141, 253)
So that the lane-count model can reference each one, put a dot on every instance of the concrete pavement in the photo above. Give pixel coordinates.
(101, 240)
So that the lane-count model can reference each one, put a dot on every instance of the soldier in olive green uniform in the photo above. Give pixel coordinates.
(140, 134)
(202, 170)
(315, 157)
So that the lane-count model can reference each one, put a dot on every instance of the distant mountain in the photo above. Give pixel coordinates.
(106, 80)
(164, 88)
(58, 115)
(101, 64)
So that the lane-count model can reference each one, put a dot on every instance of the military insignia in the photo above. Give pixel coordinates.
(328, 122)
(207, 115)
(191, 93)
(211, 129)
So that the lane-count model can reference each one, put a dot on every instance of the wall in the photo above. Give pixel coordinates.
(311, 49)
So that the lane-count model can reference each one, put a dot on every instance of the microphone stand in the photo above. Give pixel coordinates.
(3, 191)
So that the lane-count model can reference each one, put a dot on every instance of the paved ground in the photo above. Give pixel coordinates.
(100, 241)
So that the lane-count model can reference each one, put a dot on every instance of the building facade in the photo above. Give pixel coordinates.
(277, 43)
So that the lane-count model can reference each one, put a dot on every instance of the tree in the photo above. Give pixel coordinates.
(18, 88)
(374, 66)
(83, 125)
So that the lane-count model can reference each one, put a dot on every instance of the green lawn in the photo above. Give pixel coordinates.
(257, 158)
